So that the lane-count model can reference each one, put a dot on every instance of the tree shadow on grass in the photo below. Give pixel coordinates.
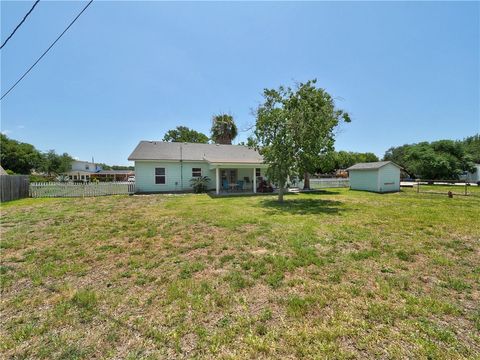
(303, 206)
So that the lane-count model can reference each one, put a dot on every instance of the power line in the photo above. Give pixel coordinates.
(46, 51)
(20, 24)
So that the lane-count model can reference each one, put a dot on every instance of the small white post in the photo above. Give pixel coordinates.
(254, 181)
(217, 176)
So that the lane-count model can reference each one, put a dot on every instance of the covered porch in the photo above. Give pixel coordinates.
(234, 178)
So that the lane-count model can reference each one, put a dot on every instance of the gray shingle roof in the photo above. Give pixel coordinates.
(215, 153)
(372, 165)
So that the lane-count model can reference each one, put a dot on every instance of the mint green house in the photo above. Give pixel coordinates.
(169, 167)
(380, 176)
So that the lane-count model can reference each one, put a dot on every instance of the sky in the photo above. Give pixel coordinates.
(130, 71)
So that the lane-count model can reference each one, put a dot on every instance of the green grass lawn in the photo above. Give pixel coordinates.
(337, 274)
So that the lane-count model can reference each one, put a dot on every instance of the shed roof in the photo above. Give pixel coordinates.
(371, 165)
(213, 153)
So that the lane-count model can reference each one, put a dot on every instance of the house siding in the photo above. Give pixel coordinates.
(388, 178)
(364, 180)
(177, 178)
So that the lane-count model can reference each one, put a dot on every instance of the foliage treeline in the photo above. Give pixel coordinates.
(185, 134)
(22, 158)
(339, 160)
(443, 159)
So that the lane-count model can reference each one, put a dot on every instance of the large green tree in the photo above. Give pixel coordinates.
(224, 129)
(443, 159)
(294, 129)
(472, 147)
(185, 134)
(19, 157)
(55, 164)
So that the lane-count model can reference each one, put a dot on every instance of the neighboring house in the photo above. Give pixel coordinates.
(82, 170)
(380, 176)
(2, 171)
(472, 176)
(169, 166)
(113, 175)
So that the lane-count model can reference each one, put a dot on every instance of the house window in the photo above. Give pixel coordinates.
(257, 172)
(196, 172)
(87, 167)
(160, 176)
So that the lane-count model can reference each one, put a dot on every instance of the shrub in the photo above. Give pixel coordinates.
(200, 184)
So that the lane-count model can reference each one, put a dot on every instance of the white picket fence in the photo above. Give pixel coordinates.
(69, 189)
(329, 183)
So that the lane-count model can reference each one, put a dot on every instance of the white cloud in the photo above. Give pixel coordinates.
(6, 132)
(20, 126)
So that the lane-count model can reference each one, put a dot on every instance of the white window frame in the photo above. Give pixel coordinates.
(159, 176)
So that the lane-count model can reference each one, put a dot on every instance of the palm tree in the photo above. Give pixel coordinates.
(224, 129)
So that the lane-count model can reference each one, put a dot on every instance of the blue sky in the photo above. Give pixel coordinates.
(129, 71)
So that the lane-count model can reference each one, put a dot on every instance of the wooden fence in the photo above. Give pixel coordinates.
(58, 189)
(13, 187)
(329, 183)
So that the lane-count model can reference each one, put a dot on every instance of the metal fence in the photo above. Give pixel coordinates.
(13, 187)
(329, 183)
(59, 189)
(446, 187)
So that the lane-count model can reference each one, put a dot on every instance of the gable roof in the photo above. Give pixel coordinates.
(372, 165)
(213, 153)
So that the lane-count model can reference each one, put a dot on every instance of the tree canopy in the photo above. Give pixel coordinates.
(294, 128)
(443, 159)
(338, 160)
(19, 157)
(224, 130)
(185, 134)
(472, 147)
(55, 164)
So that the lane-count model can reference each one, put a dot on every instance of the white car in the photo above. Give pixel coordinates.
(131, 178)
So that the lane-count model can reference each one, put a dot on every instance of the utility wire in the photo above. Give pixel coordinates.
(20, 24)
(46, 51)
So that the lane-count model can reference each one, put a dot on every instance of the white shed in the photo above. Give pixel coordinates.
(380, 176)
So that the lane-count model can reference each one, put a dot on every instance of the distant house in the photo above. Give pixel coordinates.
(88, 171)
(2, 171)
(380, 176)
(169, 166)
(473, 177)
(113, 175)
(82, 170)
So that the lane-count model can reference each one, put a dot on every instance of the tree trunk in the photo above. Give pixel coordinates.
(281, 191)
(306, 181)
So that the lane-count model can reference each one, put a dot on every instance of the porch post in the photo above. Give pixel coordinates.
(217, 176)
(254, 180)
